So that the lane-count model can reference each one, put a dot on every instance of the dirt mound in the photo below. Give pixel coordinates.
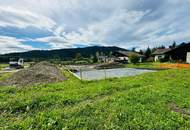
(40, 73)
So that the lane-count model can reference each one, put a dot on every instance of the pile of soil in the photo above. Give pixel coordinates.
(40, 73)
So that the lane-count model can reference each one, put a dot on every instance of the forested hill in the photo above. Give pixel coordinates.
(62, 54)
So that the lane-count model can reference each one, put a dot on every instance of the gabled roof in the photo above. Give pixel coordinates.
(184, 46)
(161, 51)
(128, 53)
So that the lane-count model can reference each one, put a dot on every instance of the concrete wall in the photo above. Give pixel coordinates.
(188, 57)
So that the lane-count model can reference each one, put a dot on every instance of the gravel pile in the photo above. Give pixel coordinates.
(40, 73)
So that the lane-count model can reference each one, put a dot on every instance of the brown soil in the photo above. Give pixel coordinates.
(110, 66)
(175, 108)
(40, 73)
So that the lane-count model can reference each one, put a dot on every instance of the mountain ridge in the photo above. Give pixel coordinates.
(62, 54)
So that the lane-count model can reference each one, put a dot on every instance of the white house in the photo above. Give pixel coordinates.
(160, 54)
(119, 56)
(105, 59)
(188, 57)
(123, 56)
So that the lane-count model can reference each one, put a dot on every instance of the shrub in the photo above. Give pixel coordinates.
(150, 59)
(134, 58)
(165, 59)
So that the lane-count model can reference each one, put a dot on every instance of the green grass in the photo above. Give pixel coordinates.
(5, 76)
(140, 102)
(3, 66)
(150, 65)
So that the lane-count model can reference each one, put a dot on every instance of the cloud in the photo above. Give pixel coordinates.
(23, 18)
(10, 44)
(124, 23)
(25, 33)
(105, 32)
(56, 42)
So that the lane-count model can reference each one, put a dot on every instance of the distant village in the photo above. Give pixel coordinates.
(175, 53)
(102, 55)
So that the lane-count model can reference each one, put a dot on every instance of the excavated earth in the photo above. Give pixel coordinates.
(40, 73)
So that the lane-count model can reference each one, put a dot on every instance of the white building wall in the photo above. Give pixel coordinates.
(188, 57)
(159, 57)
(124, 58)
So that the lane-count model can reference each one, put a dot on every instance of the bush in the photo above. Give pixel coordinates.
(165, 59)
(134, 58)
(150, 59)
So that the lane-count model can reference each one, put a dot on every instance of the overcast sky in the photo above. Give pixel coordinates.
(53, 24)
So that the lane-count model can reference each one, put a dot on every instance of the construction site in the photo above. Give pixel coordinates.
(39, 73)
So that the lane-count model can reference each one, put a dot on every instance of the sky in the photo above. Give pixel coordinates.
(54, 24)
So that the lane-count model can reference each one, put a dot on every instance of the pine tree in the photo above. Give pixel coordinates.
(173, 45)
(95, 58)
(148, 53)
(133, 49)
(78, 56)
(141, 52)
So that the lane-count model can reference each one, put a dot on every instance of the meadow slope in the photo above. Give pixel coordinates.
(159, 100)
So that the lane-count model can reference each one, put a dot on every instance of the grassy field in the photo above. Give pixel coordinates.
(3, 66)
(151, 65)
(5, 76)
(159, 100)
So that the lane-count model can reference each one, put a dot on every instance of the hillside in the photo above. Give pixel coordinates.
(62, 54)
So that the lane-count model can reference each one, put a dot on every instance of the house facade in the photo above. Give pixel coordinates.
(105, 59)
(119, 56)
(160, 54)
(124, 56)
(180, 53)
(188, 57)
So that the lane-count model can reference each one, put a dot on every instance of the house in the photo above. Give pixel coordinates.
(180, 53)
(124, 56)
(160, 54)
(105, 59)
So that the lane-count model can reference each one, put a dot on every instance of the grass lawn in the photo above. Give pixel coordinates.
(5, 76)
(159, 100)
(3, 66)
(150, 65)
